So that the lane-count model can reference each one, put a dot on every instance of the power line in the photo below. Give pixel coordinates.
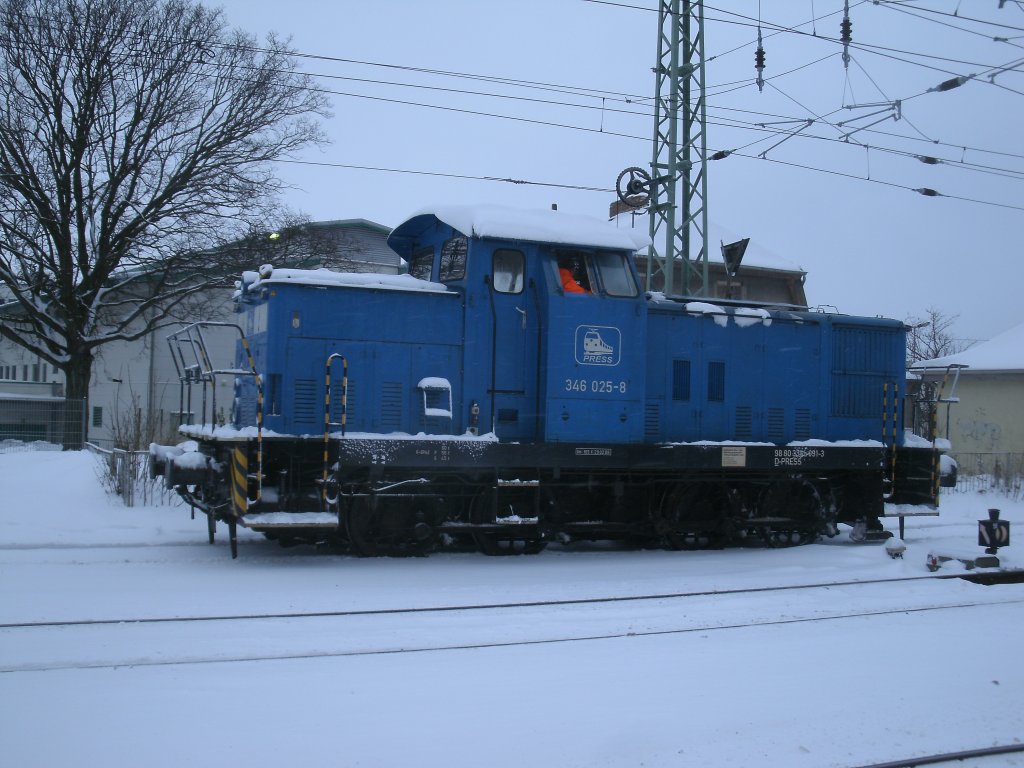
(605, 190)
(579, 91)
(922, 191)
(897, 6)
(442, 174)
(543, 101)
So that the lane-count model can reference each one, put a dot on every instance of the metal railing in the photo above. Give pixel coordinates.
(126, 473)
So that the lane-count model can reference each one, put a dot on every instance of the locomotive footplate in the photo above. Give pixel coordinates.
(441, 454)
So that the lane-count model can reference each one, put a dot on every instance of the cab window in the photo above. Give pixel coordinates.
(574, 275)
(507, 269)
(453, 258)
(616, 276)
(422, 263)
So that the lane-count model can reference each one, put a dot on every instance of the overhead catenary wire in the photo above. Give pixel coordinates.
(597, 94)
(750, 126)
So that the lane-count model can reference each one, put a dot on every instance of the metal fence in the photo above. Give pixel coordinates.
(998, 473)
(126, 473)
(41, 422)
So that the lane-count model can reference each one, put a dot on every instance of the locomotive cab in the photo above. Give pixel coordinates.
(542, 362)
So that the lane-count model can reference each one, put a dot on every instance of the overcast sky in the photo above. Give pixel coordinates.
(841, 206)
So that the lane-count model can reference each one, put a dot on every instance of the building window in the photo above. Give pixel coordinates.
(730, 289)
(97, 416)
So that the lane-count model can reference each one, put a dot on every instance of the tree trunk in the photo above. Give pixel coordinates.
(77, 374)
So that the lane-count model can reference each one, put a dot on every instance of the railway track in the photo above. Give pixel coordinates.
(235, 638)
(1005, 577)
(950, 757)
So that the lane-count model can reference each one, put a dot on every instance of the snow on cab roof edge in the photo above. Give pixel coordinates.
(535, 225)
(324, 276)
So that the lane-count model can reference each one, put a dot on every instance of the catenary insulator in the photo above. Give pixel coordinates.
(846, 33)
(759, 61)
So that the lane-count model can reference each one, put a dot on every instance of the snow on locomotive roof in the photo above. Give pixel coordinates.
(327, 277)
(541, 226)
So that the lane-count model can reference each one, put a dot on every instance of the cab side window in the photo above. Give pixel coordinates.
(573, 272)
(453, 258)
(422, 263)
(508, 266)
(616, 276)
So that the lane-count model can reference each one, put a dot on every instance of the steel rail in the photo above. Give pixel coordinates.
(471, 606)
(948, 757)
(188, 661)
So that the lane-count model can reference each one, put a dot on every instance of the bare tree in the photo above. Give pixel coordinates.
(134, 134)
(931, 336)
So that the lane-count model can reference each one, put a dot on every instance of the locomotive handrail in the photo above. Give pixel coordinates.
(890, 407)
(494, 349)
(933, 432)
(198, 345)
(202, 370)
(539, 359)
(327, 413)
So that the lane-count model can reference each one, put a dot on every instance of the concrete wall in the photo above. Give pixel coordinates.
(990, 415)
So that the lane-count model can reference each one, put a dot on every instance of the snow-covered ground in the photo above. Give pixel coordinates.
(703, 675)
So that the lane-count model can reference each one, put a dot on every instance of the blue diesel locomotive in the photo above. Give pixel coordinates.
(518, 386)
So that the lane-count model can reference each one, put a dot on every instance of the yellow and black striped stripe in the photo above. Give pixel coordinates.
(890, 413)
(239, 481)
(259, 419)
(327, 409)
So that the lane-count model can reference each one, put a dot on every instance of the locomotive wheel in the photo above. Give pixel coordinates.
(694, 516)
(800, 503)
(774, 538)
(385, 528)
(513, 503)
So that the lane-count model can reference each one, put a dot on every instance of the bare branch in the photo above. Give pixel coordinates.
(132, 134)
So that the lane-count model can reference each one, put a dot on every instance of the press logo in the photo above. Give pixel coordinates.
(598, 345)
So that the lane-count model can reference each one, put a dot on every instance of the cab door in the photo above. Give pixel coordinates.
(595, 350)
(514, 310)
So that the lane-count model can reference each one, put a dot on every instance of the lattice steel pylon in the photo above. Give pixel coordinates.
(678, 209)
